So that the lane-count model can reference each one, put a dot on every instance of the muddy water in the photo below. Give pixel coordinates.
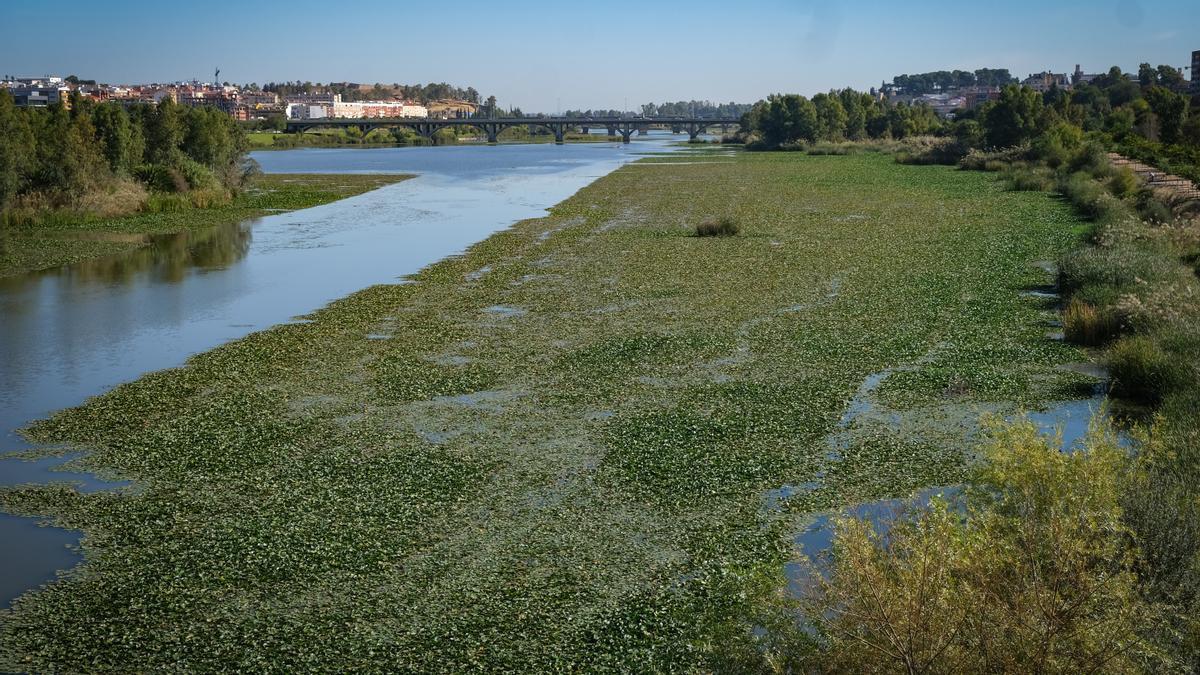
(73, 332)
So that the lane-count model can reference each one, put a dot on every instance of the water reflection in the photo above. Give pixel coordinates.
(161, 258)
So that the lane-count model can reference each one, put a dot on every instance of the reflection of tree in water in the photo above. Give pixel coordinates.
(167, 257)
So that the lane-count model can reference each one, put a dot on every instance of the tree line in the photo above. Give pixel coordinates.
(65, 155)
(791, 120)
(422, 93)
(1141, 115)
(729, 110)
(941, 80)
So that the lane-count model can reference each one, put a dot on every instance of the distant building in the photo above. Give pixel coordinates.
(1196, 71)
(377, 109)
(36, 92)
(977, 96)
(308, 111)
(259, 100)
(1045, 81)
(38, 96)
(943, 105)
(1079, 77)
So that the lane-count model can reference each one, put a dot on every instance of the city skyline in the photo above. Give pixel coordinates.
(569, 58)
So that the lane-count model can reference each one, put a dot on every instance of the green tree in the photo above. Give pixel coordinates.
(1170, 109)
(1013, 118)
(1147, 75)
(789, 118)
(17, 150)
(164, 132)
(115, 133)
(856, 113)
(831, 117)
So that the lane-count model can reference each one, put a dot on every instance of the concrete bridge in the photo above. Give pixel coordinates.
(559, 126)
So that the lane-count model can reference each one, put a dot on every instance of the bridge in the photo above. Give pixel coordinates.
(492, 126)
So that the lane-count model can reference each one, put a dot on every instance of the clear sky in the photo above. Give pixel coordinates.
(545, 55)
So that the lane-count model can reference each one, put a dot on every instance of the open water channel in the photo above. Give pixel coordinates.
(70, 333)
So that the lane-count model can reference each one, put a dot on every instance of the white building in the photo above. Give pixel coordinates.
(307, 111)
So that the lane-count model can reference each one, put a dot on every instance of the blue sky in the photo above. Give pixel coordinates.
(546, 55)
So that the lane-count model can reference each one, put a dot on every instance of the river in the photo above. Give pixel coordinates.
(69, 333)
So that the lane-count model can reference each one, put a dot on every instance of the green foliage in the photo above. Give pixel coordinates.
(1024, 179)
(1013, 119)
(793, 122)
(1143, 371)
(1036, 574)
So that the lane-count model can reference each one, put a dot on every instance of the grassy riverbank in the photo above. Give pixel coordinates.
(553, 452)
(65, 239)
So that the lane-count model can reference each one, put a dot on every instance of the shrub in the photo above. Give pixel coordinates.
(1091, 199)
(1085, 325)
(1122, 183)
(1092, 159)
(1142, 371)
(724, 226)
(1035, 574)
(166, 202)
(1119, 268)
(1027, 180)
(994, 160)
(1152, 209)
(931, 150)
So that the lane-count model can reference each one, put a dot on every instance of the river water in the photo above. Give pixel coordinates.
(70, 333)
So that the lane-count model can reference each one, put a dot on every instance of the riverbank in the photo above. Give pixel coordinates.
(62, 241)
(553, 451)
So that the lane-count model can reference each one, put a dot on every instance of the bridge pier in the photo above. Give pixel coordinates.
(612, 130)
(492, 131)
(426, 130)
(560, 133)
(694, 130)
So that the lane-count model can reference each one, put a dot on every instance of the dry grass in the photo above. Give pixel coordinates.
(1085, 325)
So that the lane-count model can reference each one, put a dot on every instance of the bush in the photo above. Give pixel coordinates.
(1142, 371)
(995, 160)
(1154, 210)
(160, 178)
(1091, 159)
(166, 202)
(1028, 180)
(1122, 183)
(1083, 324)
(1035, 573)
(1091, 199)
(724, 226)
(931, 150)
(1119, 268)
